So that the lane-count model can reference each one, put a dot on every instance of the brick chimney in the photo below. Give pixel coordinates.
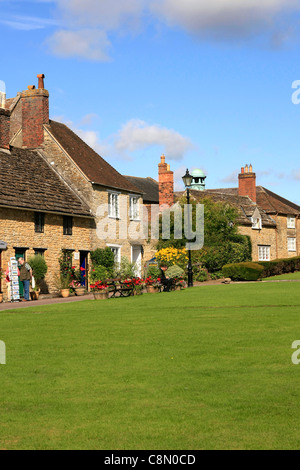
(165, 183)
(4, 128)
(35, 113)
(247, 183)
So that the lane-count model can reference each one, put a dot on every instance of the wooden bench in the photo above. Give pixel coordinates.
(117, 288)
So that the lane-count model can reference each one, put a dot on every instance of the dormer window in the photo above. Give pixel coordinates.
(256, 220)
(256, 223)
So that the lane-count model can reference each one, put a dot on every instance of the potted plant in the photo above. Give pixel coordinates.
(100, 290)
(152, 285)
(76, 282)
(63, 284)
(39, 270)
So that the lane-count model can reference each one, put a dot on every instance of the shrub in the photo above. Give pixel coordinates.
(243, 271)
(99, 273)
(175, 271)
(103, 257)
(170, 256)
(280, 266)
(39, 268)
(201, 275)
(153, 272)
(126, 269)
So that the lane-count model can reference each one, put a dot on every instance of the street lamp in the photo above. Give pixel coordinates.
(187, 180)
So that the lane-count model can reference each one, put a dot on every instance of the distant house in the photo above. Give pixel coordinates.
(272, 222)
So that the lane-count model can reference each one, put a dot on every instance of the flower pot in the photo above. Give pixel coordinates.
(100, 295)
(80, 290)
(1, 297)
(34, 294)
(152, 289)
(65, 292)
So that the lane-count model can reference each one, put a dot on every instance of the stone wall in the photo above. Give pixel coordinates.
(17, 229)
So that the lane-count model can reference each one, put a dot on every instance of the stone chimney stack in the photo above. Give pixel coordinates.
(35, 113)
(4, 128)
(165, 183)
(247, 183)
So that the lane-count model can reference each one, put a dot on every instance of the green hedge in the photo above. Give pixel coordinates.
(247, 271)
(280, 266)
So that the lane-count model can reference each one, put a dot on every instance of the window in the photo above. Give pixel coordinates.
(291, 244)
(117, 253)
(39, 251)
(256, 223)
(39, 222)
(291, 221)
(68, 225)
(264, 253)
(134, 207)
(113, 205)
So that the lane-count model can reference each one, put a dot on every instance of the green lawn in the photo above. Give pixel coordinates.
(205, 368)
(284, 277)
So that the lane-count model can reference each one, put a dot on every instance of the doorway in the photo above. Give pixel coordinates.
(20, 253)
(136, 258)
(84, 268)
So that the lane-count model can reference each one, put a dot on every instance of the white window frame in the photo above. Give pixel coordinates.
(134, 210)
(264, 252)
(291, 242)
(256, 223)
(116, 248)
(291, 221)
(113, 204)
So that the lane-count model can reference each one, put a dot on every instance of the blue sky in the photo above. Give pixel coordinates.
(209, 84)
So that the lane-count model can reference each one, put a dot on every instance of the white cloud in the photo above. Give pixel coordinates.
(137, 135)
(104, 14)
(222, 17)
(28, 23)
(133, 136)
(88, 44)
(231, 178)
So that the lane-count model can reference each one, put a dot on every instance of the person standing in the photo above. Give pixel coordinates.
(25, 277)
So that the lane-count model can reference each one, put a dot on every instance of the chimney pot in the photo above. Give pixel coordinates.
(41, 77)
(31, 87)
(242, 170)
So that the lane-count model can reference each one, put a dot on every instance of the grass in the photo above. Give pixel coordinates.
(205, 368)
(285, 277)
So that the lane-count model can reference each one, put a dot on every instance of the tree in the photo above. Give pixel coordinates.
(222, 242)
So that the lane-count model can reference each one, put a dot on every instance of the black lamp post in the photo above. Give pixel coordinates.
(187, 180)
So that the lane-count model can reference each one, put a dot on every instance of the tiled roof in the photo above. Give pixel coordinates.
(28, 182)
(149, 187)
(270, 202)
(96, 169)
(273, 203)
(243, 204)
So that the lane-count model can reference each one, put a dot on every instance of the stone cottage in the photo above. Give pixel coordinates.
(58, 194)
